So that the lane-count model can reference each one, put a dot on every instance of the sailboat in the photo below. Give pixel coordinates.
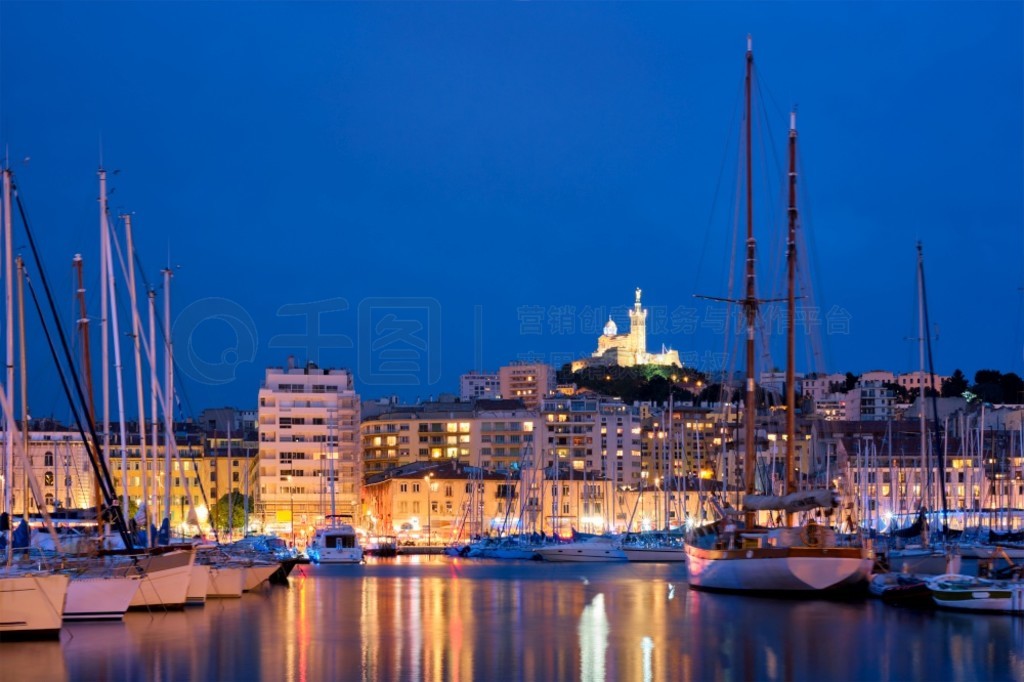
(790, 558)
(31, 601)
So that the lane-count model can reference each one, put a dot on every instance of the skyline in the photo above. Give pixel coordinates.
(507, 175)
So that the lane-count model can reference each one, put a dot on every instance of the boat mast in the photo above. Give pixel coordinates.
(939, 454)
(8, 444)
(108, 275)
(169, 392)
(23, 362)
(139, 384)
(790, 320)
(926, 463)
(154, 387)
(9, 305)
(750, 302)
(104, 340)
(90, 406)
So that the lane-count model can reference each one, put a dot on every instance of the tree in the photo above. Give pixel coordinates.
(234, 503)
(988, 385)
(900, 392)
(955, 385)
(1013, 388)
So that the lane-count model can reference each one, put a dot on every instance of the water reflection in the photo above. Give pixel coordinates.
(593, 634)
(440, 619)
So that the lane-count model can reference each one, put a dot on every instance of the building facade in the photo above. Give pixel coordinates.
(473, 385)
(309, 460)
(526, 381)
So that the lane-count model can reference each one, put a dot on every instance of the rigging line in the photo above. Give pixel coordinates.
(103, 474)
(710, 227)
(96, 459)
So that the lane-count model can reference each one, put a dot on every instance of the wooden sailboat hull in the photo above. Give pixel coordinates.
(771, 570)
(32, 605)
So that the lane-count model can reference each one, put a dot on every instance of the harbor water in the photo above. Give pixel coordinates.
(439, 618)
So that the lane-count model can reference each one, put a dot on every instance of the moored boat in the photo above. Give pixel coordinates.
(602, 548)
(100, 595)
(336, 545)
(801, 556)
(198, 585)
(969, 593)
(166, 578)
(31, 604)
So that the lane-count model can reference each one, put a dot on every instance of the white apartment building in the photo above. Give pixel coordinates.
(871, 400)
(474, 385)
(817, 386)
(308, 428)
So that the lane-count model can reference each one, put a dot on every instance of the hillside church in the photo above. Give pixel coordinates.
(627, 350)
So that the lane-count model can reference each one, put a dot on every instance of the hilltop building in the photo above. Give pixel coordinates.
(629, 349)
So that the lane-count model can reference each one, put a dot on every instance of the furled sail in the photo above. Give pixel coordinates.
(803, 500)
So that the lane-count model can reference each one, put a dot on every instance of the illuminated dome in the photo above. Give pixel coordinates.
(610, 329)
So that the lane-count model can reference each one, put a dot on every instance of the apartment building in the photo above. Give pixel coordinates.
(308, 448)
(526, 381)
(491, 434)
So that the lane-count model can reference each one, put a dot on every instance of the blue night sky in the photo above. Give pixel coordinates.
(436, 187)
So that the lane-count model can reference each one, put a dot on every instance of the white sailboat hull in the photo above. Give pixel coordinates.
(256, 574)
(226, 582)
(100, 597)
(32, 605)
(788, 569)
(165, 582)
(585, 551)
(198, 585)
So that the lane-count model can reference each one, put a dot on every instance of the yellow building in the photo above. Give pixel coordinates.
(491, 434)
(448, 502)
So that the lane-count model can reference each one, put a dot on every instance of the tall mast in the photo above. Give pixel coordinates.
(9, 306)
(940, 459)
(790, 321)
(926, 465)
(169, 392)
(750, 300)
(8, 444)
(24, 377)
(153, 388)
(104, 342)
(139, 386)
(116, 328)
(90, 406)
